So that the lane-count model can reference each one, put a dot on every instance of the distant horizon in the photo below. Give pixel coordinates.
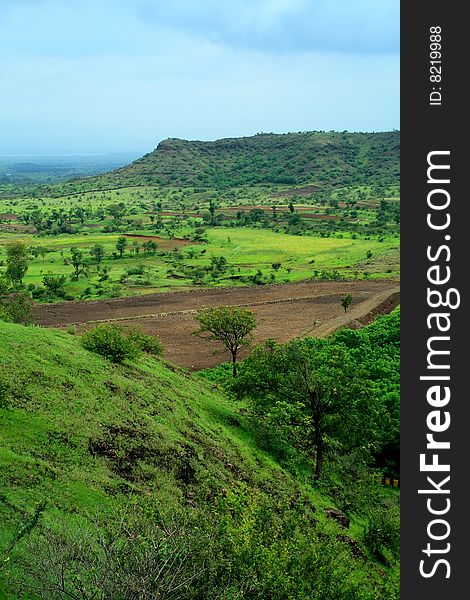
(39, 154)
(186, 139)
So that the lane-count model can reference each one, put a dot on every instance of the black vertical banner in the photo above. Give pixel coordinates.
(435, 478)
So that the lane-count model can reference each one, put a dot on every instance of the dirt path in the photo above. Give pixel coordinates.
(388, 299)
(282, 312)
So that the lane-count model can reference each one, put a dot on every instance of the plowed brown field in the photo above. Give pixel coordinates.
(283, 312)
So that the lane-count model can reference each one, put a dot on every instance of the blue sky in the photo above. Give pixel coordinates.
(120, 75)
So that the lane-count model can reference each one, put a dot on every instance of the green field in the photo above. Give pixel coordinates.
(246, 251)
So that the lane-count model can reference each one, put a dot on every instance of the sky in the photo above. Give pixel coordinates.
(103, 76)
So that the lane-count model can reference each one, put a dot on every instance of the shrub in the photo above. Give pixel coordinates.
(54, 283)
(147, 343)
(138, 270)
(111, 342)
(16, 308)
(382, 535)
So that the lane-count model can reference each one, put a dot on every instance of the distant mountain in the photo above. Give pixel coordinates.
(322, 158)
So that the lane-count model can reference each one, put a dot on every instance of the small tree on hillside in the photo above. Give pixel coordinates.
(17, 263)
(230, 325)
(346, 301)
(313, 386)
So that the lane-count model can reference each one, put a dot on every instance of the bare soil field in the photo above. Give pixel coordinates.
(173, 243)
(283, 312)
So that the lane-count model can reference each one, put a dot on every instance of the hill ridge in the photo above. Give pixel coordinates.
(327, 159)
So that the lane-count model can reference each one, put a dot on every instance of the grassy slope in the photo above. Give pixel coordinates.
(64, 398)
(83, 435)
(324, 158)
(145, 423)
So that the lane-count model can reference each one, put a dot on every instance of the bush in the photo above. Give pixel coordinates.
(147, 343)
(111, 342)
(382, 535)
(248, 547)
(54, 283)
(16, 307)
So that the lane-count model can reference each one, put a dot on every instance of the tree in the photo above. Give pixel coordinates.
(346, 301)
(38, 251)
(212, 212)
(80, 213)
(17, 263)
(150, 246)
(98, 252)
(54, 283)
(218, 264)
(76, 258)
(310, 388)
(230, 325)
(117, 211)
(121, 245)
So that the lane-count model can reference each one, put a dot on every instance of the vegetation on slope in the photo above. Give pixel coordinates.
(322, 158)
(136, 479)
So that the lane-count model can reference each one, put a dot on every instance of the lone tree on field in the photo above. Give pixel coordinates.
(17, 263)
(230, 325)
(346, 301)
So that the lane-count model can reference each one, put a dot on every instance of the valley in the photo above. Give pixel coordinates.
(136, 461)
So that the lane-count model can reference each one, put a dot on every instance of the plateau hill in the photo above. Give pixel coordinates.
(321, 158)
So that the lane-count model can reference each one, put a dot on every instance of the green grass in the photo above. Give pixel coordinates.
(260, 248)
(85, 435)
(54, 411)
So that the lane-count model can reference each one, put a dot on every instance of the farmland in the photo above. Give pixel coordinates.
(122, 452)
(283, 312)
(187, 236)
(182, 263)
(246, 237)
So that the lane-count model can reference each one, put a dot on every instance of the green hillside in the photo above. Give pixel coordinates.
(118, 477)
(320, 158)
